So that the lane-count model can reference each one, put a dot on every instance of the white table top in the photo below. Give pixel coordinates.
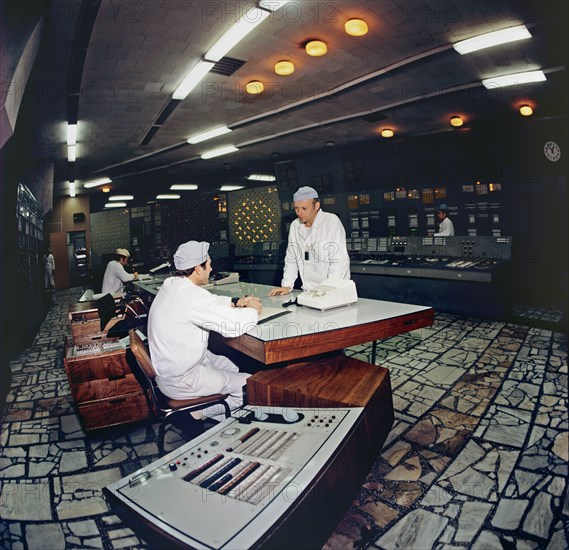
(301, 320)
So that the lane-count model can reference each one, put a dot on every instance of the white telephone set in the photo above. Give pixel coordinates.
(329, 294)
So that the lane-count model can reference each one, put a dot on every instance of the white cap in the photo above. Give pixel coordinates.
(191, 254)
(123, 252)
(304, 193)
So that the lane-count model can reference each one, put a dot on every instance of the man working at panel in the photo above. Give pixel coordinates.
(179, 322)
(316, 247)
(115, 274)
(446, 227)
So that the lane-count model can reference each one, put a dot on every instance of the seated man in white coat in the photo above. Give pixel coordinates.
(179, 322)
(115, 275)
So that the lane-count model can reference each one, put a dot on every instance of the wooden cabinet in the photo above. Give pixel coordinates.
(103, 386)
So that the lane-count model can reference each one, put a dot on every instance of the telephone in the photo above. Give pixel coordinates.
(329, 294)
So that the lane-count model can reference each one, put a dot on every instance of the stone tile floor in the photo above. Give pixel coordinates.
(477, 457)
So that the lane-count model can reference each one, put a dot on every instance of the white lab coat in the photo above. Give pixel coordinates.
(446, 229)
(179, 322)
(316, 253)
(115, 277)
(49, 267)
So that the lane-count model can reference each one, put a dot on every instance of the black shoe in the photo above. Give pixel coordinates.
(188, 425)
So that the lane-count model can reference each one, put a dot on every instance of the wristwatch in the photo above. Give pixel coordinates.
(234, 301)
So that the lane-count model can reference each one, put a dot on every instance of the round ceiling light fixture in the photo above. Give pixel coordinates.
(316, 48)
(105, 189)
(526, 110)
(456, 121)
(284, 68)
(356, 27)
(387, 133)
(254, 87)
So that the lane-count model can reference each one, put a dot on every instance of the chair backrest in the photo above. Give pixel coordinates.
(139, 350)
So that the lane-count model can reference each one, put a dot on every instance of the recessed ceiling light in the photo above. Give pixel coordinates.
(490, 39)
(261, 177)
(183, 187)
(115, 205)
(456, 121)
(193, 78)
(72, 191)
(356, 27)
(106, 189)
(121, 198)
(71, 134)
(71, 153)
(255, 87)
(387, 133)
(284, 68)
(168, 196)
(96, 183)
(219, 152)
(316, 48)
(511, 79)
(231, 187)
(526, 110)
(209, 134)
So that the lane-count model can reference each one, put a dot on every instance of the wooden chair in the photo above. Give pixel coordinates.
(162, 406)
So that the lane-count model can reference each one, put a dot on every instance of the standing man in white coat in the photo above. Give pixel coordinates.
(179, 322)
(316, 247)
(446, 227)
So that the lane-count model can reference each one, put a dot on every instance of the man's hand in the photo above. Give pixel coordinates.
(135, 276)
(250, 301)
(280, 291)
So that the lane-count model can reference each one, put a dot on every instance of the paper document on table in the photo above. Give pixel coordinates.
(271, 312)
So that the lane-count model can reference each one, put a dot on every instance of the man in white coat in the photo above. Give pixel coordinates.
(115, 275)
(179, 322)
(316, 247)
(446, 227)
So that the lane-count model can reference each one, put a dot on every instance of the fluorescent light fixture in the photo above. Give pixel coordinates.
(511, 79)
(193, 78)
(209, 134)
(168, 196)
(183, 187)
(272, 5)
(219, 152)
(261, 177)
(72, 153)
(492, 39)
(231, 187)
(115, 205)
(71, 134)
(121, 198)
(72, 192)
(236, 33)
(96, 183)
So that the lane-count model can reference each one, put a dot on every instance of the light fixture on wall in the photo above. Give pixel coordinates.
(387, 133)
(254, 87)
(456, 121)
(284, 68)
(526, 110)
(356, 27)
(316, 48)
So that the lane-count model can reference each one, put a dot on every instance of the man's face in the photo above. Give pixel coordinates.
(306, 211)
(123, 260)
(441, 215)
(205, 272)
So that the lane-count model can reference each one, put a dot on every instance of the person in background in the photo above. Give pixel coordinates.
(49, 269)
(115, 275)
(446, 227)
(316, 247)
(180, 320)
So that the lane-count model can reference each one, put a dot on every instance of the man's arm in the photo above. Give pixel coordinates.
(336, 252)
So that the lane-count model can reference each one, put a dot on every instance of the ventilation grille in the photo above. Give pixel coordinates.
(226, 66)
